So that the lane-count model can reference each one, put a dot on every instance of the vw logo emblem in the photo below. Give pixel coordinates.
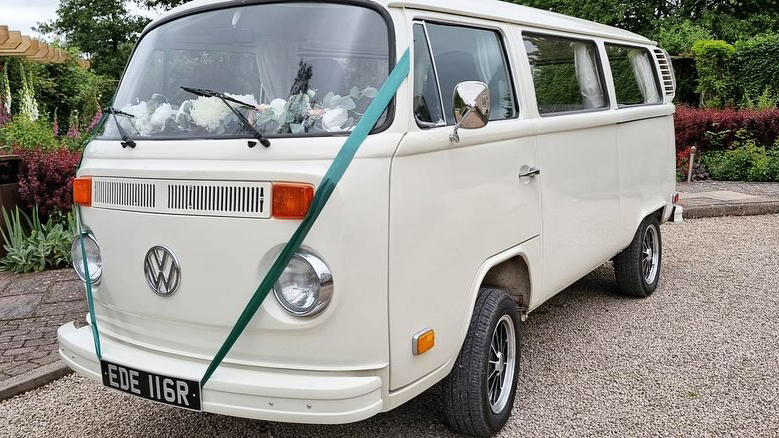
(162, 270)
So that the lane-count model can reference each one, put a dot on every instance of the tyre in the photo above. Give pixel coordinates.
(637, 267)
(479, 392)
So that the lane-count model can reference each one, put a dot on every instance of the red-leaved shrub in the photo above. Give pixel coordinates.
(46, 178)
(693, 123)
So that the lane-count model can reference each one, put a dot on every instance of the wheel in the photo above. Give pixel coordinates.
(637, 267)
(479, 392)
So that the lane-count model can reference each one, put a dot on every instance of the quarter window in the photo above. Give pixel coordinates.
(427, 100)
(566, 74)
(460, 54)
(635, 80)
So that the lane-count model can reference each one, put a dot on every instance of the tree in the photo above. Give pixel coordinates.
(103, 28)
(728, 20)
(160, 4)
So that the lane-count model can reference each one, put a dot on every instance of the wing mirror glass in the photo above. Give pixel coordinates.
(471, 107)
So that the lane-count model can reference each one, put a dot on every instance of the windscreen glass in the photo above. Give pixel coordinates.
(296, 68)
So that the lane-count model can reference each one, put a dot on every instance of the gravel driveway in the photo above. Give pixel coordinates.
(699, 358)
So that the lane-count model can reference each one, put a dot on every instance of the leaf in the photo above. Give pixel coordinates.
(354, 92)
(297, 128)
(329, 98)
(370, 92)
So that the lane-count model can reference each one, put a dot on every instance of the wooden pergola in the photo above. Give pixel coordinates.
(13, 43)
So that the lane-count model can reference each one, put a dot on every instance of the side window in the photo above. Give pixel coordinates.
(427, 100)
(566, 74)
(634, 74)
(466, 54)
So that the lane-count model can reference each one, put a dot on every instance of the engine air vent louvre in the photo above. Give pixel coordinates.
(118, 193)
(194, 198)
(231, 199)
(667, 77)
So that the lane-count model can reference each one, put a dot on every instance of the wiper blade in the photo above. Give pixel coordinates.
(224, 98)
(127, 141)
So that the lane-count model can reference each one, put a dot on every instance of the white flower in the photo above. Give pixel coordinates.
(333, 119)
(209, 112)
(277, 105)
(140, 118)
(183, 112)
(245, 98)
(160, 116)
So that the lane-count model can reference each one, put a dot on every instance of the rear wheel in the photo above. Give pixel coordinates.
(637, 268)
(479, 392)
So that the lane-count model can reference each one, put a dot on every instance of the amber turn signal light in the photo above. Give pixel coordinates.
(291, 201)
(82, 191)
(423, 341)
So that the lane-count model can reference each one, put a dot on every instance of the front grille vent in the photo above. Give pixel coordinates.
(228, 199)
(198, 198)
(119, 193)
(666, 73)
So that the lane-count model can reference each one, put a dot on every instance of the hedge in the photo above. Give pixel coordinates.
(692, 125)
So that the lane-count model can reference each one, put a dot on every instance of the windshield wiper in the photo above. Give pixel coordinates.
(127, 141)
(224, 98)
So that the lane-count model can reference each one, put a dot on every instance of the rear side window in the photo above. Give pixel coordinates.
(635, 79)
(460, 54)
(566, 74)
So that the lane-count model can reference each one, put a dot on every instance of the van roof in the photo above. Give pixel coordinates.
(487, 9)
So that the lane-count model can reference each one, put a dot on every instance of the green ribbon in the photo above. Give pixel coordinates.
(88, 282)
(326, 188)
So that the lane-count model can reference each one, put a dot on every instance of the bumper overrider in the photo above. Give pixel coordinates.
(241, 391)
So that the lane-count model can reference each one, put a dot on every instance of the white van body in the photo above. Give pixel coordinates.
(416, 228)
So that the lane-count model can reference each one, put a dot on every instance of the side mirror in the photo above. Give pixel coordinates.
(471, 107)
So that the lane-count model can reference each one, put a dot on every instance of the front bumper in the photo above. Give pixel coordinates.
(261, 393)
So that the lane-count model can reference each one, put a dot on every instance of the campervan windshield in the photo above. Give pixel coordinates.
(299, 68)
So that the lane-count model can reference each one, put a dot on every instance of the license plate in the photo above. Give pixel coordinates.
(169, 390)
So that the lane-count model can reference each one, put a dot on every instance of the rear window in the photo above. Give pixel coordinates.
(566, 74)
(635, 79)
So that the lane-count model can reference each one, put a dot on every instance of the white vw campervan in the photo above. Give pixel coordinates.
(510, 152)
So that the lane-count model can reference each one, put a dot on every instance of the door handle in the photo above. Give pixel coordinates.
(529, 172)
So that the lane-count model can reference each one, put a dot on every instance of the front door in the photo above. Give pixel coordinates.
(453, 205)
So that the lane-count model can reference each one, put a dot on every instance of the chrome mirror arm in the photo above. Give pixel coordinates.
(454, 137)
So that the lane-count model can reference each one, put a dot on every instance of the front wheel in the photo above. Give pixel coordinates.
(479, 392)
(637, 267)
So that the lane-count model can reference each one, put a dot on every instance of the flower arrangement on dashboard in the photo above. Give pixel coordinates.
(298, 114)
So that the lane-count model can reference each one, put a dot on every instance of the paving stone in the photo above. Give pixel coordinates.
(51, 358)
(24, 367)
(67, 290)
(37, 342)
(34, 283)
(60, 308)
(7, 345)
(17, 351)
(37, 353)
(34, 334)
(19, 306)
(67, 274)
(5, 279)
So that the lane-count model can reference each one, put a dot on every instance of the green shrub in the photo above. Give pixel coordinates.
(27, 134)
(679, 37)
(713, 61)
(32, 245)
(757, 68)
(745, 162)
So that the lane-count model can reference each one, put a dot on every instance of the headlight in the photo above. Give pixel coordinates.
(306, 285)
(94, 263)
